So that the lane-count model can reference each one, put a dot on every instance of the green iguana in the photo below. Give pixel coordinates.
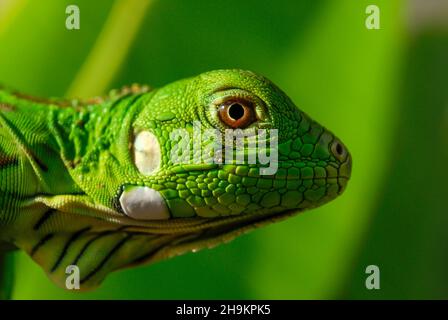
(98, 183)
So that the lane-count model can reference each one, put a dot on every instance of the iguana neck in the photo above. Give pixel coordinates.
(83, 130)
(93, 142)
(59, 138)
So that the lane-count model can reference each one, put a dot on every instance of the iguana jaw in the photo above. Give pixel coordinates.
(209, 234)
(199, 233)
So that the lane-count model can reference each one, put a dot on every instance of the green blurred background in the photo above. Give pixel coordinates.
(383, 92)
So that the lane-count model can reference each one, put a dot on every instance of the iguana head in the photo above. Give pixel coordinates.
(183, 167)
(229, 143)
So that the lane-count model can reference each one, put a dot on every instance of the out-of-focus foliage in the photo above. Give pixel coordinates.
(408, 233)
(384, 97)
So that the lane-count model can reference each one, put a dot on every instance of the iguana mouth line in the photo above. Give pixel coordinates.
(187, 225)
(283, 178)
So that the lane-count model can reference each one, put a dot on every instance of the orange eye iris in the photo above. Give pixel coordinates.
(236, 114)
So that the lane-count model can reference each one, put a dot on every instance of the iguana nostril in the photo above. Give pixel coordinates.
(338, 150)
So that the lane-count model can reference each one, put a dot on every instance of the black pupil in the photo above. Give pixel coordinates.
(339, 149)
(236, 111)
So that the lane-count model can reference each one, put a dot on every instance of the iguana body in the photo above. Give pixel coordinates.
(94, 184)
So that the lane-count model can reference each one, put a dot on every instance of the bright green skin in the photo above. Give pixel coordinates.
(62, 170)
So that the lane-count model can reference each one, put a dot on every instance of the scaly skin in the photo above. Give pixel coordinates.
(65, 165)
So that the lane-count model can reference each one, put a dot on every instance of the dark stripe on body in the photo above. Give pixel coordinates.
(39, 162)
(8, 161)
(43, 219)
(67, 245)
(104, 261)
(41, 243)
(87, 245)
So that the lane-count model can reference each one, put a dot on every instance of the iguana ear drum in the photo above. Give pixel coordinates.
(147, 153)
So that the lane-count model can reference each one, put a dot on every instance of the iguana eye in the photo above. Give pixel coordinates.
(237, 114)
